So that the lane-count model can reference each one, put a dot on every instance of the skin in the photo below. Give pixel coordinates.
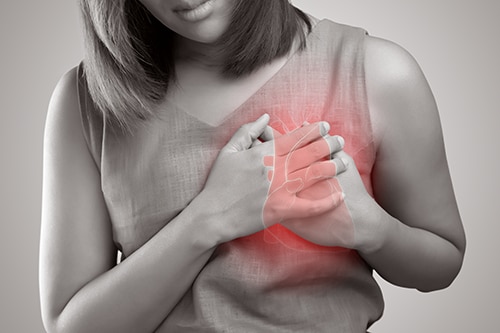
(193, 33)
(411, 232)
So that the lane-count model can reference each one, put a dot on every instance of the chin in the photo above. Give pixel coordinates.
(206, 33)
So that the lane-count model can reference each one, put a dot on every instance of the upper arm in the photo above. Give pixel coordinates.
(76, 241)
(411, 179)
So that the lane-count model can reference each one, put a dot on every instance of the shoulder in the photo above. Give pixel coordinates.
(66, 90)
(64, 99)
(63, 125)
(397, 90)
(388, 65)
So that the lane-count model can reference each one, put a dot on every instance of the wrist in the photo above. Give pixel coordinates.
(208, 218)
(373, 227)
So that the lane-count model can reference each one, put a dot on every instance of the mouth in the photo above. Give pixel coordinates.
(194, 11)
(188, 6)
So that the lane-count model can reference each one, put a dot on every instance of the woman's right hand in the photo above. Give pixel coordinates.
(252, 186)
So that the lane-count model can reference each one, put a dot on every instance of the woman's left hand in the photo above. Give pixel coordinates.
(351, 224)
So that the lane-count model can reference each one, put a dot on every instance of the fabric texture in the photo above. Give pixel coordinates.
(272, 281)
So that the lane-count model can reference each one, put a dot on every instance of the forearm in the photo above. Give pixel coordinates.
(136, 295)
(412, 257)
(82, 289)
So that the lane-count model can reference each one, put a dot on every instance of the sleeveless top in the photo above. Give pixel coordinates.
(271, 281)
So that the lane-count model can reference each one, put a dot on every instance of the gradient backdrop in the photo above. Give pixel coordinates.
(455, 41)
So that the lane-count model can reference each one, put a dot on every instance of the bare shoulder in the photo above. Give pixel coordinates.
(64, 140)
(66, 90)
(411, 158)
(63, 115)
(74, 215)
(398, 92)
(389, 55)
(389, 66)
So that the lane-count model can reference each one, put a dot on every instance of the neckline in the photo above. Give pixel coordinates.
(293, 57)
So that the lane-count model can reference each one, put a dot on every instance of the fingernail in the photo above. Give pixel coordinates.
(265, 115)
(341, 141)
(325, 128)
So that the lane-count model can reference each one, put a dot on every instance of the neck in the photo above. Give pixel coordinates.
(206, 56)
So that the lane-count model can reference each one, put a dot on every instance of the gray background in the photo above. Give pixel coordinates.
(455, 42)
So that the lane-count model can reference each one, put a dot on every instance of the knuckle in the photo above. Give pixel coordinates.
(340, 165)
(339, 141)
(315, 208)
(335, 143)
(346, 161)
(296, 135)
(314, 171)
(315, 150)
(246, 130)
(245, 127)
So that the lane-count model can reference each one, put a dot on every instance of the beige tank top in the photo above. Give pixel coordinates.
(272, 281)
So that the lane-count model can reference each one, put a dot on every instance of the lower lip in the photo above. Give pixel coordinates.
(198, 13)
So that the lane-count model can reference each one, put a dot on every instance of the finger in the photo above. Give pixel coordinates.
(342, 160)
(269, 134)
(303, 208)
(341, 163)
(246, 135)
(302, 158)
(268, 161)
(256, 143)
(294, 185)
(300, 137)
(316, 172)
(314, 152)
(336, 143)
(321, 189)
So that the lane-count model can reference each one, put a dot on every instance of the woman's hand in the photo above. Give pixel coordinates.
(255, 185)
(347, 224)
(346, 221)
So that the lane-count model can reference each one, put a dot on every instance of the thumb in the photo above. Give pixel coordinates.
(269, 134)
(246, 135)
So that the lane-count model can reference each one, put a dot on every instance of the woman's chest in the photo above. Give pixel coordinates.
(212, 98)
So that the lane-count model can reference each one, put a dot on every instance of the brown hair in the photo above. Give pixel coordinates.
(128, 62)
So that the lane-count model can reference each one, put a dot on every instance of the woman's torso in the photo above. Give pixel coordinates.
(272, 280)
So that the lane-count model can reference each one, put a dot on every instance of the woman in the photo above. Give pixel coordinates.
(276, 227)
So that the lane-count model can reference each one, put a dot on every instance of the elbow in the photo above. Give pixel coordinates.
(55, 322)
(49, 315)
(446, 275)
(52, 313)
(55, 325)
(50, 324)
(436, 285)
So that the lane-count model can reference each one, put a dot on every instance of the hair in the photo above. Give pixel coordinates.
(128, 62)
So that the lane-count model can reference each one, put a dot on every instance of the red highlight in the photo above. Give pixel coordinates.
(304, 195)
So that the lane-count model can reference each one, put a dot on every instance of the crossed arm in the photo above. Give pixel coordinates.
(412, 233)
(82, 290)
(420, 241)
